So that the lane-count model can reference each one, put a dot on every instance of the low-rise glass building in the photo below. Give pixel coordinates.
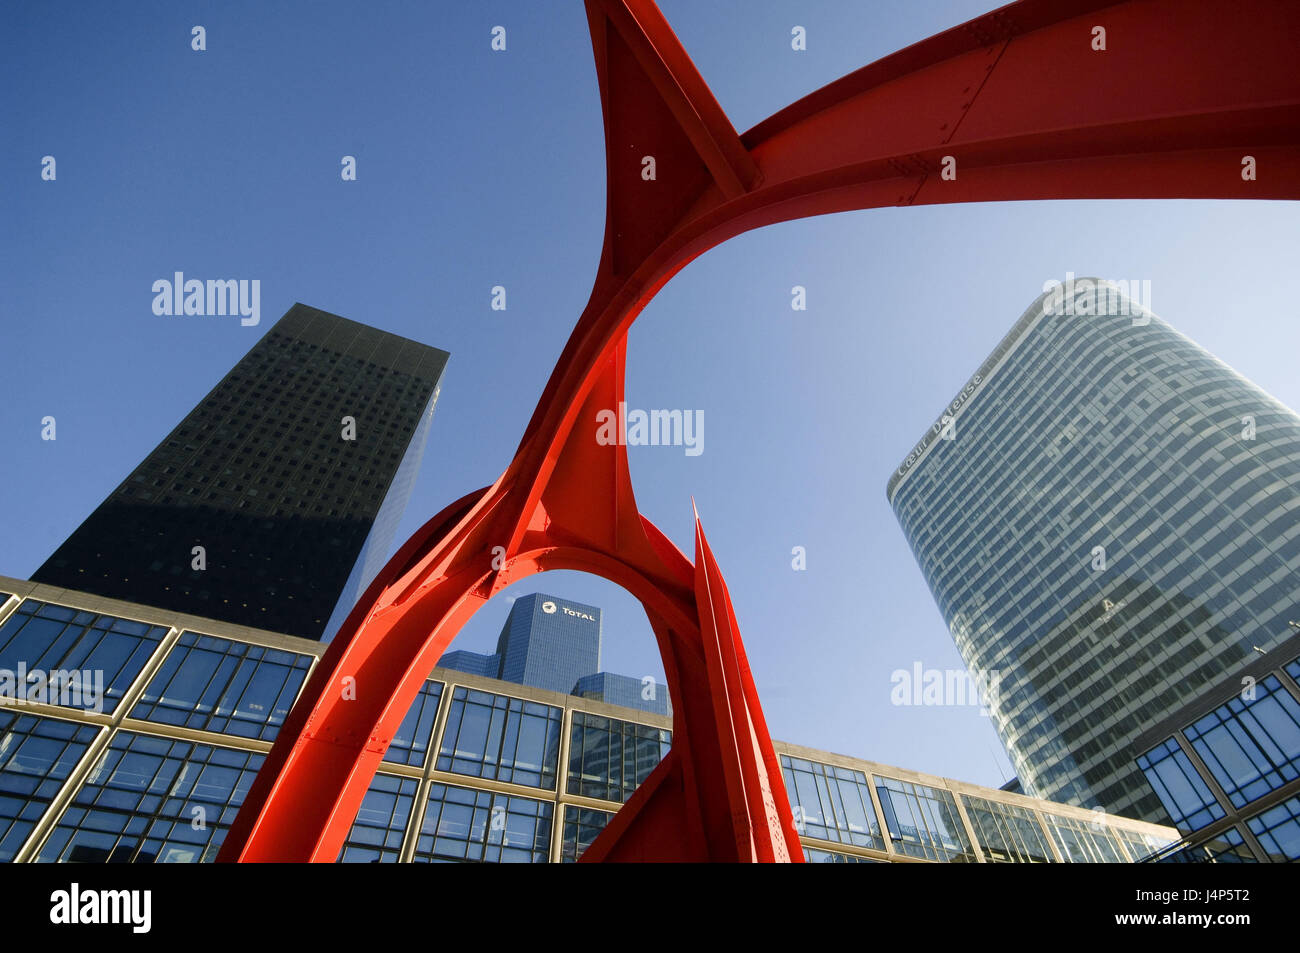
(133, 734)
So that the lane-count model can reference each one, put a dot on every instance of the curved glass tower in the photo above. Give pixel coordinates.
(1106, 516)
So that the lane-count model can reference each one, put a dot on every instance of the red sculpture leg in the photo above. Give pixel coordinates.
(1018, 104)
(688, 809)
(726, 800)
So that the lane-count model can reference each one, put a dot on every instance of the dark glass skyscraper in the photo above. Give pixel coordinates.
(1107, 518)
(274, 502)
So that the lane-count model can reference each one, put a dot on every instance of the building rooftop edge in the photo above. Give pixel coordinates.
(445, 354)
(1004, 348)
(25, 589)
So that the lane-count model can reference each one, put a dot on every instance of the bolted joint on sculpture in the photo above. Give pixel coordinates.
(1017, 104)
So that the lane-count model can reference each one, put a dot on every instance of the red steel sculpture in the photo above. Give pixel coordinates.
(1041, 99)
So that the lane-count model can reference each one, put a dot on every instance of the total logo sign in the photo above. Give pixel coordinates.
(549, 608)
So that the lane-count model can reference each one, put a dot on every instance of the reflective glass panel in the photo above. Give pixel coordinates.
(463, 825)
(1251, 745)
(815, 855)
(1007, 833)
(213, 684)
(495, 736)
(97, 655)
(831, 803)
(153, 800)
(376, 835)
(923, 821)
(609, 758)
(1183, 792)
(411, 743)
(36, 757)
(581, 826)
(1278, 831)
(1229, 847)
(1084, 842)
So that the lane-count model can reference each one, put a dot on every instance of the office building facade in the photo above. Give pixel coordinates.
(472, 663)
(549, 642)
(1106, 517)
(154, 766)
(625, 691)
(554, 643)
(274, 502)
(1227, 767)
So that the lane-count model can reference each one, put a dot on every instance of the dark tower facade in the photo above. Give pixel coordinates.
(274, 502)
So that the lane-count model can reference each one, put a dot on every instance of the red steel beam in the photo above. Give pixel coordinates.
(1024, 106)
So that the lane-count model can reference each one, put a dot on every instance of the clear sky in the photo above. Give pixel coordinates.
(478, 168)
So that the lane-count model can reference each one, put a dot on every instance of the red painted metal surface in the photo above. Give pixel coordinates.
(1026, 108)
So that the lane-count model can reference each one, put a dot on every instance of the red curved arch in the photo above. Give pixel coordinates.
(1024, 105)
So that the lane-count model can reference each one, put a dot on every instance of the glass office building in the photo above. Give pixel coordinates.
(626, 691)
(549, 643)
(1106, 517)
(153, 765)
(1227, 767)
(546, 642)
(553, 643)
(291, 475)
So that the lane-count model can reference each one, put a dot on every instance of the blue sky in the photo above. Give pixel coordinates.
(478, 168)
